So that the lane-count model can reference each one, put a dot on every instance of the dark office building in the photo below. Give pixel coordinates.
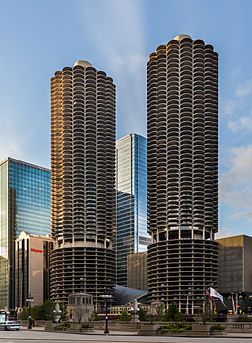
(25, 203)
(235, 267)
(83, 182)
(182, 146)
(137, 271)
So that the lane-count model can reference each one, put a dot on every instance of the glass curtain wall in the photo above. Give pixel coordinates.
(131, 185)
(25, 206)
(3, 235)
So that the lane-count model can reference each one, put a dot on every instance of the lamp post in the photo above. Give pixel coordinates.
(135, 311)
(106, 297)
(7, 313)
(29, 300)
(187, 300)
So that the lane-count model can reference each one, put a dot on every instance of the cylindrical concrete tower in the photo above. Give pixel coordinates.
(182, 109)
(83, 182)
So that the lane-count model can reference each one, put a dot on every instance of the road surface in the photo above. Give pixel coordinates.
(43, 337)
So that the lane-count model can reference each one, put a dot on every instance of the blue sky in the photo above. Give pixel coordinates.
(40, 37)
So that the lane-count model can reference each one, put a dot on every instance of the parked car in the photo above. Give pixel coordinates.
(9, 325)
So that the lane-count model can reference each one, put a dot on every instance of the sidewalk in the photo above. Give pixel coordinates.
(128, 333)
(239, 335)
(96, 332)
(35, 328)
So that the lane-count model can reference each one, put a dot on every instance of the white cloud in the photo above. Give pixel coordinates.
(231, 108)
(243, 214)
(235, 185)
(227, 107)
(243, 123)
(245, 89)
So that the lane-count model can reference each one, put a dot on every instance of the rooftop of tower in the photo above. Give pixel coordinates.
(83, 63)
(180, 37)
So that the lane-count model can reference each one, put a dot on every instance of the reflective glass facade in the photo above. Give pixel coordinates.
(25, 205)
(131, 185)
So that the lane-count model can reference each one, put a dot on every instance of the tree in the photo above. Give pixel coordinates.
(172, 314)
(142, 315)
(39, 312)
(63, 312)
(47, 310)
(24, 314)
(79, 313)
(43, 312)
(160, 311)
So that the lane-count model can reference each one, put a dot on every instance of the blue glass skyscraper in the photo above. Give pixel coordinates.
(131, 202)
(25, 205)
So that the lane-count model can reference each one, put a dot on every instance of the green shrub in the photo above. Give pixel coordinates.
(86, 326)
(59, 328)
(63, 326)
(142, 315)
(172, 314)
(217, 327)
(125, 317)
(175, 327)
(94, 317)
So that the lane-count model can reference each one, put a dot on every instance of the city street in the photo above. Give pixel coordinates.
(41, 337)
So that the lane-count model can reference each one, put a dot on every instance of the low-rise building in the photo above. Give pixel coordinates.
(32, 272)
(129, 308)
(235, 264)
(80, 307)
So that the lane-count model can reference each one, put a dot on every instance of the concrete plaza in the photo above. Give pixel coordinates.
(36, 336)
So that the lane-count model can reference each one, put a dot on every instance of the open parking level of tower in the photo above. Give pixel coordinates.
(41, 336)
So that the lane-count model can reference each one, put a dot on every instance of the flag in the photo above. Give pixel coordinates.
(234, 311)
(215, 294)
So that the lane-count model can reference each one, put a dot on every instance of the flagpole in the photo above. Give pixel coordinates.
(236, 311)
(233, 304)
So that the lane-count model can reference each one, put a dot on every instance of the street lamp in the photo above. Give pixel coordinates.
(106, 297)
(189, 293)
(135, 311)
(7, 313)
(29, 300)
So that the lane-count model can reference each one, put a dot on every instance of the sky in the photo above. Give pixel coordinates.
(40, 37)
